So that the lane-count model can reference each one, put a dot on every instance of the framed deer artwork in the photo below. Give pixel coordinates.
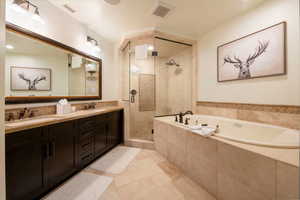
(30, 79)
(260, 54)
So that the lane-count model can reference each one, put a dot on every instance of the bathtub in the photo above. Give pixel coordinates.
(248, 132)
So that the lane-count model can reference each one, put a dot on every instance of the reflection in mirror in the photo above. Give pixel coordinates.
(83, 76)
(35, 68)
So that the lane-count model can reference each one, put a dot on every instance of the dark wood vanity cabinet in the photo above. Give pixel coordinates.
(116, 132)
(97, 135)
(25, 153)
(37, 160)
(60, 162)
(101, 135)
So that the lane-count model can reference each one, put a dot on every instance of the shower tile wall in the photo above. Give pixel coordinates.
(174, 84)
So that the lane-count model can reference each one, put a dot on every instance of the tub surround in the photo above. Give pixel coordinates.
(47, 116)
(227, 169)
(288, 156)
(279, 115)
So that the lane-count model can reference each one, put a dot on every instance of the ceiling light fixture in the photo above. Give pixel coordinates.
(21, 6)
(93, 43)
(9, 46)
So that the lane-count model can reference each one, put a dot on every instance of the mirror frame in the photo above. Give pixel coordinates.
(42, 99)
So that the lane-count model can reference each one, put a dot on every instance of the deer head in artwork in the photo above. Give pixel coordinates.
(32, 83)
(244, 66)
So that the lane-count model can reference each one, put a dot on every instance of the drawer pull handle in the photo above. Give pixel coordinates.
(52, 149)
(47, 151)
(86, 157)
(85, 145)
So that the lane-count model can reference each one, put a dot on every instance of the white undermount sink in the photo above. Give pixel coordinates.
(79, 112)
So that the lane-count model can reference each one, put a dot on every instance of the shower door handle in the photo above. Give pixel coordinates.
(133, 93)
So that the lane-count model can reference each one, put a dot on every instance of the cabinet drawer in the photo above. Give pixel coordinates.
(86, 159)
(86, 146)
(85, 134)
(101, 119)
(86, 124)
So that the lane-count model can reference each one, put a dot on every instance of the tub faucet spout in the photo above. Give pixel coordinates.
(189, 112)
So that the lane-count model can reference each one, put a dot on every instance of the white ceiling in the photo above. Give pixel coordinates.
(190, 18)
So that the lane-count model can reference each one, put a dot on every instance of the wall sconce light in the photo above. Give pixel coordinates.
(93, 43)
(91, 68)
(25, 7)
(151, 48)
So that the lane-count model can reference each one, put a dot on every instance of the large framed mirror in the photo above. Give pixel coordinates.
(39, 69)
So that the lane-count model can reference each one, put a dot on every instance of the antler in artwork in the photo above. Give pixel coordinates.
(22, 76)
(32, 84)
(244, 71)
(38, 79)
(236, 60)
(259, 51)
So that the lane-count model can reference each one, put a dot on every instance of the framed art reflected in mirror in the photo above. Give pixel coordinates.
(30, 79)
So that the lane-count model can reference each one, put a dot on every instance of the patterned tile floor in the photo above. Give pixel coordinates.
(150, 177)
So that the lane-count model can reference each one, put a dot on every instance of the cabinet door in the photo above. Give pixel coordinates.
(116, 128)
(101, 138)
(24, 164)
(61, 162)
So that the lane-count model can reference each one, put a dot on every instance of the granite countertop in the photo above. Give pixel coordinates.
(20, 125)
(289, 156)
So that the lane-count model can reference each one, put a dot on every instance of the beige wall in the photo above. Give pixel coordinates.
(58, 65)
(2, 143)
(272, 90)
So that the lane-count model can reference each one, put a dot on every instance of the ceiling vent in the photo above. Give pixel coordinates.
(66, 6)
(162, 9)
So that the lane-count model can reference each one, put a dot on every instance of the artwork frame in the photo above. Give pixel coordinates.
(30, 84)
(224, 59)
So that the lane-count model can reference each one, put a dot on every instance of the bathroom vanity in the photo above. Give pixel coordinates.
(40, 158)
(44, 149)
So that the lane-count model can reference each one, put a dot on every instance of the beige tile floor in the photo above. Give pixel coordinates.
(150, 177)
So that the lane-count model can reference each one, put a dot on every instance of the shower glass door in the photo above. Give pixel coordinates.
(173, 77)
(142, 91)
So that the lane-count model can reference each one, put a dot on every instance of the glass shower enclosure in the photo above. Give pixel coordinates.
(156, 81)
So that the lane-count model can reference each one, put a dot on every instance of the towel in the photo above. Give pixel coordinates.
(195, 127)
(205, 131)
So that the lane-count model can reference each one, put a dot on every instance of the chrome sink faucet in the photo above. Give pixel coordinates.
(26, 113)
(23, 113)
(90, 106)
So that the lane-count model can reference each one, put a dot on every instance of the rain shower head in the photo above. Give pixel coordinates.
(172, 62)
